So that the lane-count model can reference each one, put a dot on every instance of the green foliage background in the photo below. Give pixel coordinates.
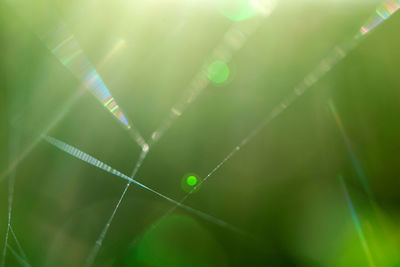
(282, 187)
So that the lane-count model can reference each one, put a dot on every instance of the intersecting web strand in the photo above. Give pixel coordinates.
(64, 110)
(383, 12)
(22, 256)
(11, 182)
(21, 251)
(69, 53)
(79, 154)
(93, 253)
(65, 47)
(233, 40)
(18, 257)
(15, 135)
(10, 172)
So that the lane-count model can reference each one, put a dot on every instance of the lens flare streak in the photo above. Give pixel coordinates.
(350, 149)
(383, 12)
(61, 113)
(65, 47)
(356, 222)
(62, 43)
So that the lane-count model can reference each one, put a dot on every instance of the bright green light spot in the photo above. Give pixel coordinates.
(189, 183)
(191, 180)
(218, 72)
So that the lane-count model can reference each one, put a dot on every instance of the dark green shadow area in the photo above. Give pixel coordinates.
(176, 241)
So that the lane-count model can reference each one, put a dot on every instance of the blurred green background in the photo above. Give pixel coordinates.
(282, 187)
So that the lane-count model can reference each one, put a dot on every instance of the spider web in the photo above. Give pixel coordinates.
(200, 81)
